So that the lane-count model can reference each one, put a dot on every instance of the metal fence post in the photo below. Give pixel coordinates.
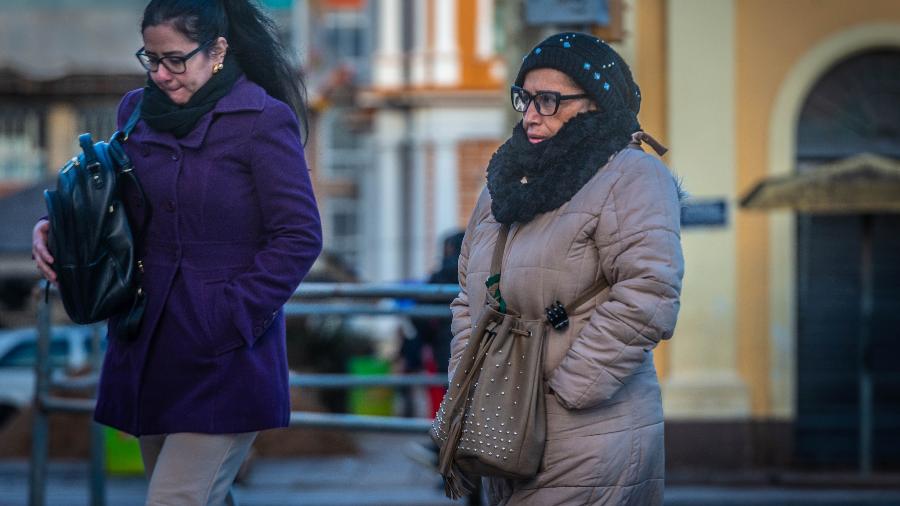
(39, 428)
(97, 471)
(98, 448)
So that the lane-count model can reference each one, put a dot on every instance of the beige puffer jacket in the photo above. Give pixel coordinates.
(604, 417)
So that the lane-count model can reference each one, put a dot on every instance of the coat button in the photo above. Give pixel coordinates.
(170, 206)
(174, 156)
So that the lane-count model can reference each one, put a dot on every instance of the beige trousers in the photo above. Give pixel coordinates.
(189, 469)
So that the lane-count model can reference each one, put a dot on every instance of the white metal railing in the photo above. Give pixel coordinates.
(309, 299)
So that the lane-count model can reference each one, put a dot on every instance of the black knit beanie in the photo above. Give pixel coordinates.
(592, 64)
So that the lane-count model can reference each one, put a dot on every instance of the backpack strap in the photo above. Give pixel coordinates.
(128, 325)
(125, 167)
(122, 135)
(90, 155)
(133, 119)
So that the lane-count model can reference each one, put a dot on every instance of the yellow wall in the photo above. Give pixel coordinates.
(62, 128)
(702, 378)
(771, 37)
(649, 68)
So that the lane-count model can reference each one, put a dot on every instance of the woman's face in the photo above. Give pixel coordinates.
(540, 128)
(164, 40)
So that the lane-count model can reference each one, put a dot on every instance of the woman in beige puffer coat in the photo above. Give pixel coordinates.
(585, 208)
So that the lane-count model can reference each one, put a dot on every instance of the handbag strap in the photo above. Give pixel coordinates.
(497, 259)
(494, 278)
(496, 262)
(586, 296)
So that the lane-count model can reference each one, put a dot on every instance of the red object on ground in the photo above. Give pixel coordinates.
(435, 393)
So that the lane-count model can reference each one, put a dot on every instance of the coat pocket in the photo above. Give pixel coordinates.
(221, 334)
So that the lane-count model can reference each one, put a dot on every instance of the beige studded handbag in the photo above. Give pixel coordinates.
(492, 420)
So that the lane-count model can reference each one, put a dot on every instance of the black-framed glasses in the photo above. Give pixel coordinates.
(546, 102)
(174, 64)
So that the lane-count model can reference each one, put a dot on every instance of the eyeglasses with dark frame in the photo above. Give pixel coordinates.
(174, 64)
(546, 102)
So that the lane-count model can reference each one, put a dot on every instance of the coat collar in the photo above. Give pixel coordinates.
(245, 95)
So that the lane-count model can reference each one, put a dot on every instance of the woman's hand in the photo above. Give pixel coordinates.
(39, 251)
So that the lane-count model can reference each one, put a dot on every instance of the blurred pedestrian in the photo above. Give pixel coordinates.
(433, 334)
(429, 351)
(427, 348)
(587, 209)
(233, 229)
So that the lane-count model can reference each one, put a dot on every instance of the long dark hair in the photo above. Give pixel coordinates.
(252, 39)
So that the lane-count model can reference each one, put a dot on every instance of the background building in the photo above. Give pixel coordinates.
(410, 100)
(763, 369)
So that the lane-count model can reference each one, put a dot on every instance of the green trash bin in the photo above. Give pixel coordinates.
(371, 400)
(123, 454)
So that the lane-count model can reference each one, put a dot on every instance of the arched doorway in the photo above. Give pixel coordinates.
(853, 108)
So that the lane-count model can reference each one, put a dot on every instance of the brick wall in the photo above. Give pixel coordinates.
(473, 157)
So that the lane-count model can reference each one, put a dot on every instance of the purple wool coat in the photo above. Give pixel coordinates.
(234, 228)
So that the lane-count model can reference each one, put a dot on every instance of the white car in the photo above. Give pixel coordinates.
(70, 350)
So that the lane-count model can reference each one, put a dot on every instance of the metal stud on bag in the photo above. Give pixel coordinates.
(557, 316)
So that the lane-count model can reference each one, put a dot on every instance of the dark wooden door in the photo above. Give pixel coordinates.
(854, 108)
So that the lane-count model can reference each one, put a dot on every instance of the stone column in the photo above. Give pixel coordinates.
(446, 57)
(703, 380)
(421, 51)
(446, 183)
(382, 201)
(388, 58)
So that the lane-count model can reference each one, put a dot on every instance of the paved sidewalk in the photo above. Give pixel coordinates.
(381, 475)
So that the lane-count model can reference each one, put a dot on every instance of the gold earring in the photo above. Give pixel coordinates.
(217, 67)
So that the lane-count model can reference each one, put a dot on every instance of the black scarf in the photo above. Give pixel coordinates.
(163, 115)
(526, 179)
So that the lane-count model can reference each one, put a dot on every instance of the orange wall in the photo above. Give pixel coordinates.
(771, 36)
(475, 72)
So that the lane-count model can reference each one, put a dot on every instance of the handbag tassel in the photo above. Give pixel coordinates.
(456, 483)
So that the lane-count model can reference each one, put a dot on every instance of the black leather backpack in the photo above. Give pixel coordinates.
(91, 240)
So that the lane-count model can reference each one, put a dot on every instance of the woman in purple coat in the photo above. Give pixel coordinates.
(233, 230)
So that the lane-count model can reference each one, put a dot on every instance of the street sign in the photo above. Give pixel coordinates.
(567, 12)
(704, 213)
